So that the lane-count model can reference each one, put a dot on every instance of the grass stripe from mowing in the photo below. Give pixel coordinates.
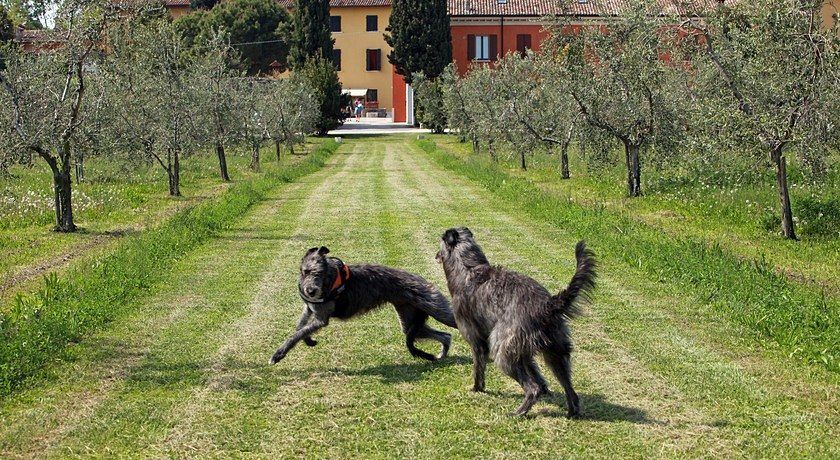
(804, 322)
(36, 328)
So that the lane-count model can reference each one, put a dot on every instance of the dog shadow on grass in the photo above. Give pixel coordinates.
(404, 372)
(595, 408)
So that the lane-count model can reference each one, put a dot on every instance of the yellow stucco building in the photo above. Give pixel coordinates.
(830, 11)
(361, 54)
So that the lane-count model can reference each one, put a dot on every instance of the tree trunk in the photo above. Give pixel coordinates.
(564, 152)
(788, 229)
(80, 168)
(476, 146)
(174, 172)
(522, 160)
(63, 200)
(255, 158)
(277, 149)
(491, 147)
(564, 161)
(223, 169)
(634, 169)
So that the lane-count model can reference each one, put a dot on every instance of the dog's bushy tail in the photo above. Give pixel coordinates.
(435, 304)
(579, 290)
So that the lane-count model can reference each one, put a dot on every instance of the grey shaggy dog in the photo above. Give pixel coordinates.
(331, 289)
(509, 316)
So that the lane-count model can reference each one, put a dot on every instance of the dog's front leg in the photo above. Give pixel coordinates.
(304, 319)
(479, 352)
(321, 320)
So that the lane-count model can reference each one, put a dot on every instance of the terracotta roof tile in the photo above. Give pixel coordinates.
(35, 36)
(343, 3)
(560, 7)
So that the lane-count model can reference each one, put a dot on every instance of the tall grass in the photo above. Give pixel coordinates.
(37, 327)
(800, 319)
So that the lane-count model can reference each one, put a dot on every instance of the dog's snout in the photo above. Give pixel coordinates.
(311, 290)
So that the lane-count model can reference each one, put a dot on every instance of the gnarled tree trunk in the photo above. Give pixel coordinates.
(277, 148)
(564, 162)
(80, 168)
(255, 158)
(634, 169)
(63, 201)
(63, 190)
(174, 172)
(223, 169)
(779, 161)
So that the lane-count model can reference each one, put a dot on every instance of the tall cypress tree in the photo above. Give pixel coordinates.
(419, 37)
(7, 28)
(311, 35)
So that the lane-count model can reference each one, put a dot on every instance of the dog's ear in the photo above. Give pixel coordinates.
(323, 250)
(311, 251)
(467, 231)
(450, 237)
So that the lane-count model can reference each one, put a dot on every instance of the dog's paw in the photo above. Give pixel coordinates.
(477, 389)
(310, 342)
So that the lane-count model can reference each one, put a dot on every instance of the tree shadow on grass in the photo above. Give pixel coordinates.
(402, 372)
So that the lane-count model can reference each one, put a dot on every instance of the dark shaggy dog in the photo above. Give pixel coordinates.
(331, 289)
(512, 317)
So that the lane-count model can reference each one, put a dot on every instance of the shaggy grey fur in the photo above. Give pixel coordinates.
(368, 287)
(511, 317)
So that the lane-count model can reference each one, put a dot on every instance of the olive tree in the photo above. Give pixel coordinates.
(767, 76)
(253, 128)
(617, 77)
(157, 94)
(539, 111)
(431, 111)
(291, 111)
(472, 106)
(44, 98)
(217, 73)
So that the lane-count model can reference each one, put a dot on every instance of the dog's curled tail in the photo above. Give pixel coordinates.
(579, 290)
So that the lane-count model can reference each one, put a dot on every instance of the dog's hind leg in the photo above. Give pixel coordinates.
(423, 331)
(413, 325)
(519, 370)
(560, 363)
(534, 370)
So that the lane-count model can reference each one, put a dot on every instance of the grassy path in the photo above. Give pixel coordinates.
(187, 376)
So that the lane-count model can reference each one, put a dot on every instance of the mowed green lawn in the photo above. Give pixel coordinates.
(187, 375)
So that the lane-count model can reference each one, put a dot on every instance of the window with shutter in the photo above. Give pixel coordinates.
(373, 60)
(337, 59)
(492, 48)
(372, 23)
(335, 23)
(523, 43)
(483, 47)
